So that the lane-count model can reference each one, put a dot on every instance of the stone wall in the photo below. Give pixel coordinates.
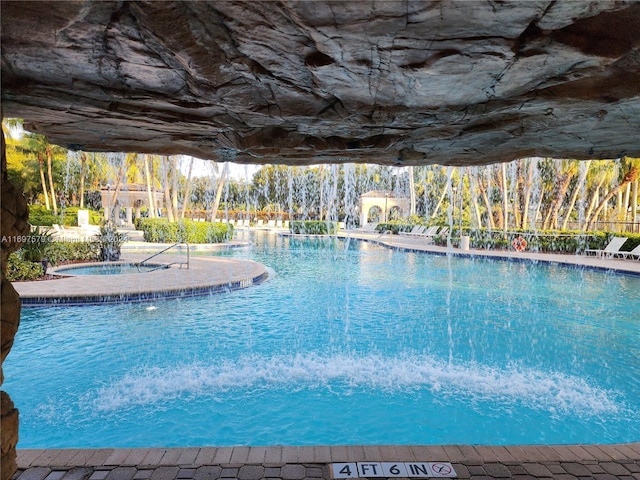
(14, 225)
(396, 82)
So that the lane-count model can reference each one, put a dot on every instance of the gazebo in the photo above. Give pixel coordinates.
(382, 206)
(130, 196)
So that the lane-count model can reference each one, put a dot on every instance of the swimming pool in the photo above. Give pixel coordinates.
(350, 343)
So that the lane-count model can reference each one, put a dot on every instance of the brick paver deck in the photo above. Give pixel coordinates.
(598, 462)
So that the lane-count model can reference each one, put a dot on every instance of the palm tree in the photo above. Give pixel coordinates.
(565, 171)
(187, 191)
(530, 165)
(632, 167)
(412, 192)
(150, 196)
(167, 189)
(221, 182)
(44, 182)
(83, 162)
(584, 171)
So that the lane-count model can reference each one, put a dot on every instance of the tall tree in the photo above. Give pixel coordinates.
(187, 190)
(584, 171)
(83, 163)
(566, 170)
(49, 155)
(220, 188)
(167, 189)
(150, 190)
(45, 190)
(631, 174)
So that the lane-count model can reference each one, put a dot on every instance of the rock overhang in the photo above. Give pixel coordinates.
(397, 83)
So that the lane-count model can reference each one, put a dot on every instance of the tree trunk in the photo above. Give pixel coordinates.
(174, 186)
(187, 191)
(595, 198)
(165, 186)
(563, 185)
(518, 193)
(505, 199)
(450, 171)
(221, 182)
(634, 203)
(625, 203)
(116, 191)
(485, 197)
(150, 193)
(574, 196)
(412, 193)
(45, 190)
(83, 164)
(473, 181)
(631, 176)
(54, 202)
(528, 187)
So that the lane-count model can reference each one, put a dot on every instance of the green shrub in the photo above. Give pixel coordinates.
(540, 240)
(160, 230)
(313, 227)
(394, 227)
(36, 245)
(19, 269)
(72, 251)
(39, 215)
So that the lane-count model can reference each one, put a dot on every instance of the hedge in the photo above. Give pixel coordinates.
(18, 269)
(160, 230)
(58, 252)
(39, 215)
(542, 240)
(313, 227)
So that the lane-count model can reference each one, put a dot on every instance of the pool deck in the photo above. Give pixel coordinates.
(560, 462)
(599, 462)
(205, 275)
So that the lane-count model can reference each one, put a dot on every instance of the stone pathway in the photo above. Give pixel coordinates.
(598, 462)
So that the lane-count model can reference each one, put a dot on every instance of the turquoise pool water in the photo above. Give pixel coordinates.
(108, 269)
(350, 343)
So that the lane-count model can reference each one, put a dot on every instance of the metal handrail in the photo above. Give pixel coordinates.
(139, 264)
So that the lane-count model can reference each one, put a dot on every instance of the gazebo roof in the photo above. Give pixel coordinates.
(380, 194)
(132, 187)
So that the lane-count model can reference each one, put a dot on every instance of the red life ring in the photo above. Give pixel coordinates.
(519, 244)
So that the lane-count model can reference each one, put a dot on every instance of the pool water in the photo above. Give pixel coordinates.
(108, 269)
(350, 343)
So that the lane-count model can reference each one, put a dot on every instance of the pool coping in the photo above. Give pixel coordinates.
(423, 245)
(205, 276)
(620, 461)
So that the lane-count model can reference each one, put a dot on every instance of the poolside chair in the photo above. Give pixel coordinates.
(413, 231)
(429, 232)
(443, 233)
(635, 253)
(612, 248)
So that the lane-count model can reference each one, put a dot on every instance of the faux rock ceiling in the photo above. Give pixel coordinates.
(305, 82)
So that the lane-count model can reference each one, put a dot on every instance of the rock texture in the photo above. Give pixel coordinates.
(394, 82)
(14, 227)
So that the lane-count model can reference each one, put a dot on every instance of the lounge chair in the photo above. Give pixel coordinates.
(612, 248)
(443, 233)
(414, 230)
(635, 253)
(429, 232)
